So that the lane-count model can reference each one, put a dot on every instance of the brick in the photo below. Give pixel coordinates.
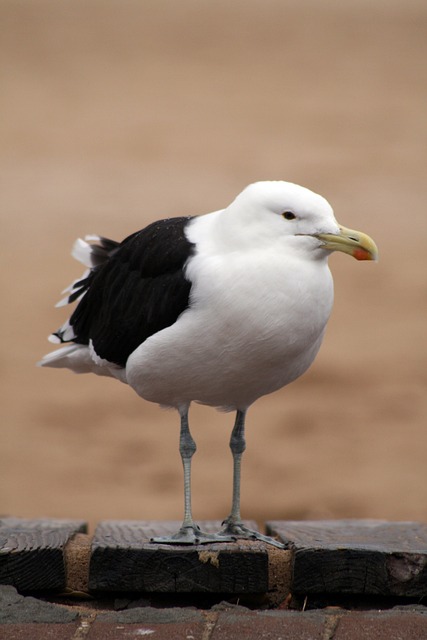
(172, 631)
(162, 624)
(38, 631)
(384, 625)
(269, 625)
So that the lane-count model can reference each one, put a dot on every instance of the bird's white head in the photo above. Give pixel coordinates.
(285, 212)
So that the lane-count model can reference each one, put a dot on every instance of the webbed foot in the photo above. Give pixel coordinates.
(240, 531)
(192, 535)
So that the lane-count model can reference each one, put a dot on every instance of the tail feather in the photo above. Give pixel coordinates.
(73, 290)
(74, 356)
(77, 357)
(82, 252)
(92, 256)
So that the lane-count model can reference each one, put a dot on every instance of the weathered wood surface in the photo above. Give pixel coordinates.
(356, 556)
(32, 552)
(368, 557)
(124, 559)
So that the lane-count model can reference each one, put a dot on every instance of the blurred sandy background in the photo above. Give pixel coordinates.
(116, 113)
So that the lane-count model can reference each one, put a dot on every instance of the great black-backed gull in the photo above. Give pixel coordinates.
(218, 309)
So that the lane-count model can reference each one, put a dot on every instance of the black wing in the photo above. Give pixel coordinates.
(136, 289)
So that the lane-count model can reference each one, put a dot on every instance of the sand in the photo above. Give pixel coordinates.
(119, 113)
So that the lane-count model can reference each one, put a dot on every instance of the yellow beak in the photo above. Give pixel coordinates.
(355, 243)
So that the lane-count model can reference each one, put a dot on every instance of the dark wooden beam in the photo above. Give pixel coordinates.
(124, 559)
(32, 552)
(372, 557)
(346, 557)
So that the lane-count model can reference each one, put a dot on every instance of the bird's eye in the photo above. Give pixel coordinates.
(288, 215)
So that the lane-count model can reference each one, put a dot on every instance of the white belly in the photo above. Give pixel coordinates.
(254, 325)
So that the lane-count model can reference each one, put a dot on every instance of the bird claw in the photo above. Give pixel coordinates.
(192, 535)
(231, 532)
(241, 532)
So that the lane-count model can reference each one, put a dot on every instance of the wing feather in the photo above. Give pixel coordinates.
(133, 290)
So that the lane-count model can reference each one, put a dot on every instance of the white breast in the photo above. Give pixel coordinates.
(255, 323)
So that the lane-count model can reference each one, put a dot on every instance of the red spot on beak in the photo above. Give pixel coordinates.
(362, 254)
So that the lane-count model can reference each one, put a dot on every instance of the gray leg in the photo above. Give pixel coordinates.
(237, 446)
(187, 449)
(233, 525)
(189, 533)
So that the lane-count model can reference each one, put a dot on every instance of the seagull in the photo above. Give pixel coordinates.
(218, 309)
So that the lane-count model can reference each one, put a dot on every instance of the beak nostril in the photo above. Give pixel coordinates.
(353, 238)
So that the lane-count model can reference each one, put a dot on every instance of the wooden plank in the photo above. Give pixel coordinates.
(124, 559)
(356, 556)
(32, 552)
